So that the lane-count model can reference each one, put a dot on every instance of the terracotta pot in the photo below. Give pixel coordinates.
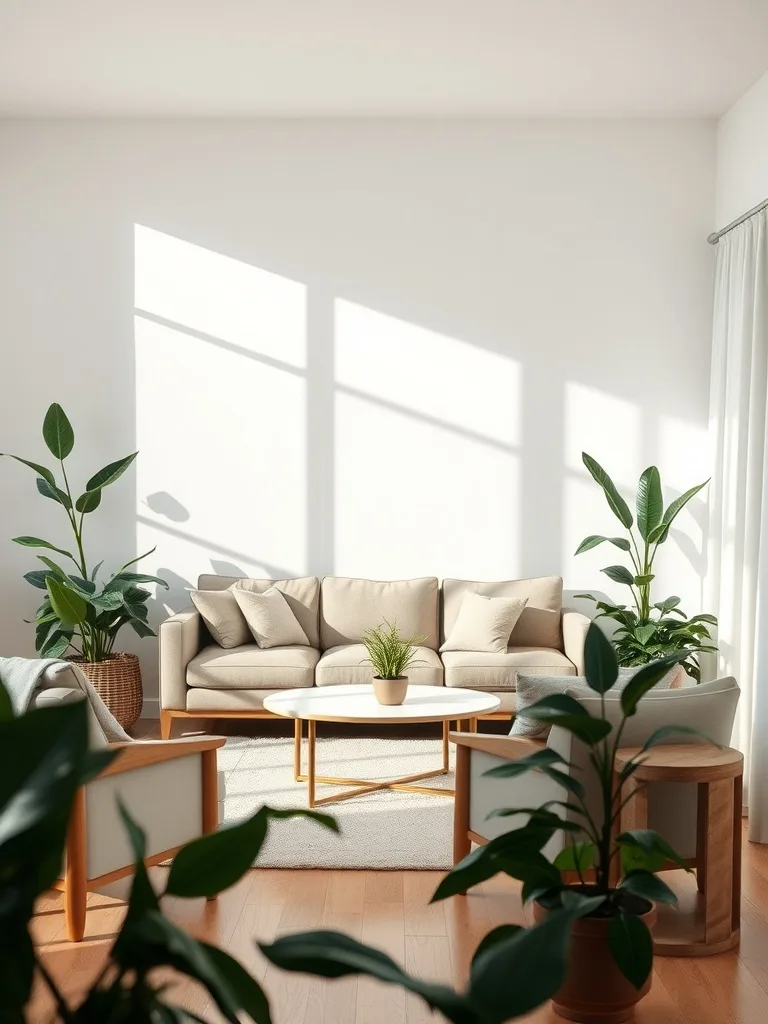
(390, 691)
(118, 682)
(595, 991)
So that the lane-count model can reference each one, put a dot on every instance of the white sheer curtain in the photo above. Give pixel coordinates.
(738, 549)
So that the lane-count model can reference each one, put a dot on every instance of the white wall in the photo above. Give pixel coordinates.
(742, 155)
(370, 348)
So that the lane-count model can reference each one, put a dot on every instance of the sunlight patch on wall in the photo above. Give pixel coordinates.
(467, 387)
(221, 482)
(216, 295)
(427, 462)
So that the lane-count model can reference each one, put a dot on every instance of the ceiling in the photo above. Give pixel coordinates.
(523, 58)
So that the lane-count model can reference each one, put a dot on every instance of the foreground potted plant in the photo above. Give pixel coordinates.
(611, 948)
(649, 630)
(390, 654)
(79, 615)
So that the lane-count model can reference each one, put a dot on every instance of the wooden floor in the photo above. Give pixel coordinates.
(390, 910)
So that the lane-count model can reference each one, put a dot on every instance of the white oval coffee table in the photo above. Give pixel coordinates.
(358, 704)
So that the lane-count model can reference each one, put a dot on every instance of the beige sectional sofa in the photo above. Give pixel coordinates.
(200, 679)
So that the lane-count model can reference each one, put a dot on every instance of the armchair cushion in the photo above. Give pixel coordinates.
(249, 667)
(477, 670)
(350, 664)
(539, 624)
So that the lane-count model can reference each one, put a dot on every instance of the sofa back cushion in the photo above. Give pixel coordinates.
(302, 595)
(539, 623)
(348, 607)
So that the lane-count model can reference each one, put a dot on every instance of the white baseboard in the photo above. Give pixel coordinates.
(151, 707)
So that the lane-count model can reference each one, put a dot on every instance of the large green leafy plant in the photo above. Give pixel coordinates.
(78, 612)
(43, 760)
(647, 630)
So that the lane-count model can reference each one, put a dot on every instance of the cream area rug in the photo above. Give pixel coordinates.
(384, 830)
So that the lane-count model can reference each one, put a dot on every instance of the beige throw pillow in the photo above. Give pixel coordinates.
(221, 614)
(484, 623)
(270, 618)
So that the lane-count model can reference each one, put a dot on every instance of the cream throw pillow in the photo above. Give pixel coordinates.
(484, 623)
(221, 614)
(270, 618)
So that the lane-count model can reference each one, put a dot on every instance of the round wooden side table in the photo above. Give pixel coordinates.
(711, 923)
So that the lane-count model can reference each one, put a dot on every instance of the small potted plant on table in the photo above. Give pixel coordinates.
(79, 616)
(390, 655)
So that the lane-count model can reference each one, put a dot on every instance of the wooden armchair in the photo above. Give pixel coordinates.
(170, 787)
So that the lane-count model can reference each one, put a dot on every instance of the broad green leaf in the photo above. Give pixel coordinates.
(537, 761)
(55, 568)
(650, 503)
(631, 947)
(49, 490)
(96, 569)
(576, 857)
(619, 574)
(6, 708)
(679, 504)
(617, 504)
(57, 432)
(46, 474)
(37, 578)
(36, 542)
(650, 887)
(645, 679)
(644, 580)
(84, 587)
(68, 605)
(208, 865)
(140, 627)
(57, 644)
(330, 954)
(108, 601)
(667, 604)
(516, 975)
(600, 665)
(122, 578)
(594, 539)
(244, 989)
(110, 473)
(651, 843)
(644, 633)
(496, 935)
(89, 501)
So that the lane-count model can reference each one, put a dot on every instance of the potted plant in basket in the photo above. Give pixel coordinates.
(79, 615)
(649, 630)
(390, 656)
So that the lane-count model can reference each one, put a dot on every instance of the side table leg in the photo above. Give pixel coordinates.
(311, 766)
(718, 854)
(446, 727)
(738, 783)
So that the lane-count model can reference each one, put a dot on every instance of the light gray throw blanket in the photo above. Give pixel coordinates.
(22, 676)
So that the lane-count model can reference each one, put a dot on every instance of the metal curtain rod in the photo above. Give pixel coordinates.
(715, 237)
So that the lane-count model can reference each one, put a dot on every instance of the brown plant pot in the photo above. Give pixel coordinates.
(390, 691)
(118, 682)
(595, 991)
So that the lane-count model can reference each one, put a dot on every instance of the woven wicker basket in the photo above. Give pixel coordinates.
(118, 680)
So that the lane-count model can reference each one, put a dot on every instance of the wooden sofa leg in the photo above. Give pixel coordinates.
(210, 784)
(461, 841)
(75, 892)
(166, 724)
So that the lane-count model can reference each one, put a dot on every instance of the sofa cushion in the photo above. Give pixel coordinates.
(484, 623)
(349, 664)
(222, 616)
(350, 606)
(249, 667)
(476, 670)
(270, 618)
(539, 624)
(301, 593)
(199, 699)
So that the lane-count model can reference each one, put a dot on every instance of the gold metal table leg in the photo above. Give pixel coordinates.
(311, 765)
(296, 749)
